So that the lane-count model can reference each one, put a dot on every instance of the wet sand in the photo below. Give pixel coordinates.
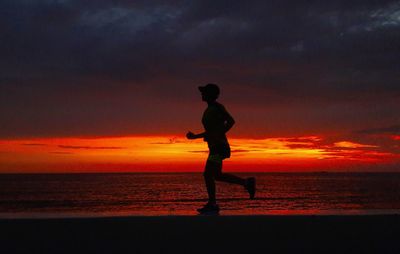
(203, 234)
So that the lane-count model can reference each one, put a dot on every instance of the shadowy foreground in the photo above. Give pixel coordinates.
(203, 234)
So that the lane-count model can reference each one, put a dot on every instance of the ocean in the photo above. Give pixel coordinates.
(87, 195)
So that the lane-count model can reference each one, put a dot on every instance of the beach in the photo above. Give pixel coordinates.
(203, 234)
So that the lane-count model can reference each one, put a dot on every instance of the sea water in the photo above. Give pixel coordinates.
(59, 195)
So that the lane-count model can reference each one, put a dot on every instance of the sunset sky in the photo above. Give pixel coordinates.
(111, 86)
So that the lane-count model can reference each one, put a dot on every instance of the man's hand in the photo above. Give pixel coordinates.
(190, 135)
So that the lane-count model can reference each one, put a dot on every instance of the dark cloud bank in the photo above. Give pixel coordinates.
(132, 67)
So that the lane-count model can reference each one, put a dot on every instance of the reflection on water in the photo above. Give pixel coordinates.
(181, 194)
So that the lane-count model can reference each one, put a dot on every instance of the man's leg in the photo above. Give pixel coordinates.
(209, 178)
(211, 169)
(230, 178)
(225, 177)
(249, 183)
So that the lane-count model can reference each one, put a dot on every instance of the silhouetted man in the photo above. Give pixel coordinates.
(217, 121)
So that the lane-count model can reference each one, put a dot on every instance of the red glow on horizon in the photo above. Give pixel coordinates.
(177, 154)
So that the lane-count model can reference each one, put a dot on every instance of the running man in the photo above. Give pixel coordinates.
(217, 121)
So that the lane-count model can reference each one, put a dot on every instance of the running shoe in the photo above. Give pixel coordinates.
(209, 209)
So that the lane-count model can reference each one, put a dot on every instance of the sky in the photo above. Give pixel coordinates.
(82, 78)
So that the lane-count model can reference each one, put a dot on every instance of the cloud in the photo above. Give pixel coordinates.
(245, 150)
(394, 129)
(91, 147)
(352, 145)
(34, 144)
(61, 153)
(117, 67)
(173, 140)
(300, 146)
(310, 139)
(198, 151)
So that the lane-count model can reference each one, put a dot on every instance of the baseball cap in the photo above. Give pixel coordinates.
(210, 88)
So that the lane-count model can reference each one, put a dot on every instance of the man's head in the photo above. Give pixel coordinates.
(209, 92)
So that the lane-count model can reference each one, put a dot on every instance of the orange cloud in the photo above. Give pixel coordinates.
(348, 144)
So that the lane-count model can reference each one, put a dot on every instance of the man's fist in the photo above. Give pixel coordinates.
(190, 135)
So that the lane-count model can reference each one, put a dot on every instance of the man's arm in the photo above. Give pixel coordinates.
(229, 121)
(191, 135)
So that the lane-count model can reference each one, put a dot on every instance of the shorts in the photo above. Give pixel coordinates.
(214, 158)
(219, 152)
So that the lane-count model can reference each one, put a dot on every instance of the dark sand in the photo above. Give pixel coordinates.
(203, 234)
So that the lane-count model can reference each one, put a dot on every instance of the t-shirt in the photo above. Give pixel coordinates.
(214, 119)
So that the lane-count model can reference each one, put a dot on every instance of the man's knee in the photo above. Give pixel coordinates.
(218, 176)
(208, 174)
(211, 170)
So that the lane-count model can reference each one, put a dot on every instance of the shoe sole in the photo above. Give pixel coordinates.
(209, 213)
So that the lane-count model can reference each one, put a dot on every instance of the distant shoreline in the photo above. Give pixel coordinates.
(200, 172)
